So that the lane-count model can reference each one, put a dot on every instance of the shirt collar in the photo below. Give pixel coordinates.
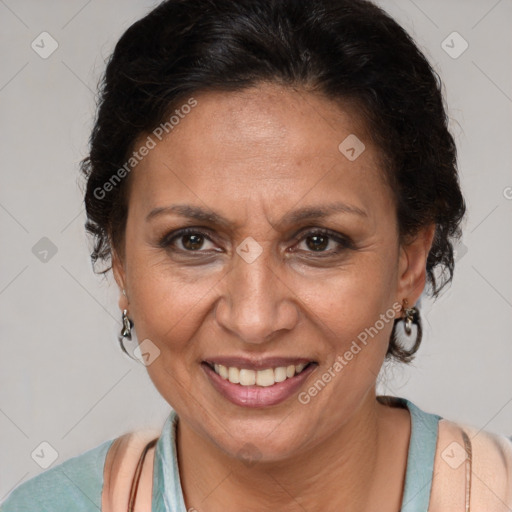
(167, 492)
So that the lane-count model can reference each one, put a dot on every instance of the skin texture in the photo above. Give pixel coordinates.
(252, 157)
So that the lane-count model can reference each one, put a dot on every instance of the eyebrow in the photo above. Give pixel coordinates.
(295, 216)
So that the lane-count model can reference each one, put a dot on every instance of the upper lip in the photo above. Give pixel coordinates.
(257, 363)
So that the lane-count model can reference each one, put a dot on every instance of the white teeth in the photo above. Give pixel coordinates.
(280, 374)
(247, 377)
(223, 371)
(234, 375)
(300, 367)
(264, 378)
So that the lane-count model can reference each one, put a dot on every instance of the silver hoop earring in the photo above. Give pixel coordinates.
(408, 330)
(411, 316)
(126, 331)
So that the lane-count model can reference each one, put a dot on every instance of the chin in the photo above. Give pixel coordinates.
(268, 438)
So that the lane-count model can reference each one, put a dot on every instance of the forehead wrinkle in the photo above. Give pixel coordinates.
(292, 217)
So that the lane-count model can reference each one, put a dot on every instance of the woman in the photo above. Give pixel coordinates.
(274, 185)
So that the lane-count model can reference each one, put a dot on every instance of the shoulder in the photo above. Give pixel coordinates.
(75, 484)
(472, 465)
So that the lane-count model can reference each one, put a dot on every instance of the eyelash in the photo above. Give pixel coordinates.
(343, 241)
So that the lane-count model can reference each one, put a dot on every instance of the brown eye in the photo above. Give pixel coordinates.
(186, 240)
(318, 242)
(192, 242)
(321, 239)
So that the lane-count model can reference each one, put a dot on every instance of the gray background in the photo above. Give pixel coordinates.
(63, 377)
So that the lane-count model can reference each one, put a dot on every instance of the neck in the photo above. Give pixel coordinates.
(338, 473)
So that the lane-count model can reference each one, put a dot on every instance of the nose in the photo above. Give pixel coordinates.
(256, 302)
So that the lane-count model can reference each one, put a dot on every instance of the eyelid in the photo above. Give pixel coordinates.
(343, 240)
(168, 238)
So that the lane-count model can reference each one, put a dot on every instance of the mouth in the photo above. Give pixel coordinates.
(259, 384)
(264, 378)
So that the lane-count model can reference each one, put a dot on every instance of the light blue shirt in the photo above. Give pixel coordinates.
(76, 484)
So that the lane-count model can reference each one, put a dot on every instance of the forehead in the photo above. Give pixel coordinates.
(266, 143)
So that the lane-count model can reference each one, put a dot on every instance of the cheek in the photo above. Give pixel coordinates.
(163, 308)
(167, 306)
(353, 316)
(353, 312)
(352, 298)
(169, 311)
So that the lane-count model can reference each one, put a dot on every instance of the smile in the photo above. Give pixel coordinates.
(265, 384)
(263, 378)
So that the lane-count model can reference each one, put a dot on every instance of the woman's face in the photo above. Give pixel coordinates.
(292, 258)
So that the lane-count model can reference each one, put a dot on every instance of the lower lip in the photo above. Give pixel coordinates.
(257, 396)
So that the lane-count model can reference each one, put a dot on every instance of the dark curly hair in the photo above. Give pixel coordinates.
(347, 50)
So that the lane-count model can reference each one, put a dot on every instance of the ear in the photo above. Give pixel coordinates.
(412, 265)
(120, 277)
